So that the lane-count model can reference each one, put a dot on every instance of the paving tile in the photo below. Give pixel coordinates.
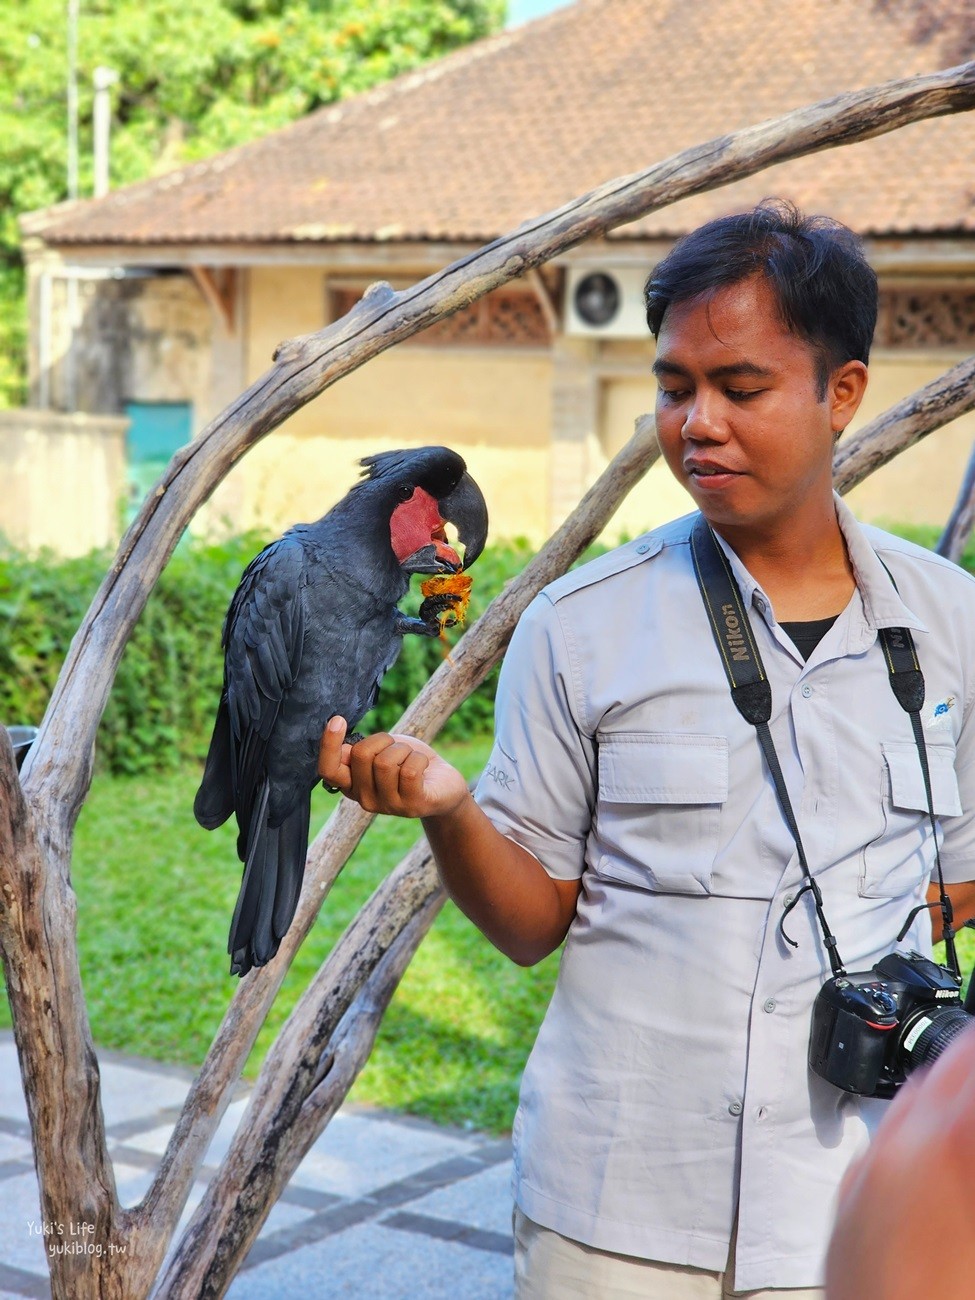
(26, 1284)
(482, 1201)
(382, 1206)
(15, 1148)
(371, 1262)
(12, 1102)
(358, 1154)
(19, 1208)
(131, 1092)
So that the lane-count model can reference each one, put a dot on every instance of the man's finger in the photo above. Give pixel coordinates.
(386, 772)
(332, 768)
(364, 770)
(411, 773)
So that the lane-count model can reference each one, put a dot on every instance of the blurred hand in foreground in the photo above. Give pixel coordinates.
(905, 1221)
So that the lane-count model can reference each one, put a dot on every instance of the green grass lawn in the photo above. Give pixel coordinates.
(155, 897)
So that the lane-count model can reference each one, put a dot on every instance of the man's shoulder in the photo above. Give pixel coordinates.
(622, 560)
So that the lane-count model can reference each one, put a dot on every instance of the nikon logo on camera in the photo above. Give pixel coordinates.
(733, 637)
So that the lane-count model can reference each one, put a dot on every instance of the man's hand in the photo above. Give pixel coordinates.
(390, 774)
(905, 1222)
(502, 887)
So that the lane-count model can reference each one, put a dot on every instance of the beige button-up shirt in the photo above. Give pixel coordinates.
(668, 1087)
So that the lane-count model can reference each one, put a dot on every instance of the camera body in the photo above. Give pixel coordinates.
(871, 1029)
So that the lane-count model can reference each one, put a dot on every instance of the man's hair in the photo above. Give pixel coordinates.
(825, 288)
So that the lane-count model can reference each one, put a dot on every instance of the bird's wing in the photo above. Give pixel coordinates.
(262, 639)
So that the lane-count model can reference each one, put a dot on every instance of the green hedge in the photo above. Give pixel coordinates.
(165, 694)
(161, 708)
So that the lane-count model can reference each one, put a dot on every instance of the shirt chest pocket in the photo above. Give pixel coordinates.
(658, 816)
(895, 863)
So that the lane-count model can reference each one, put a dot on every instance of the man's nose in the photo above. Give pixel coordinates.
(704, 421)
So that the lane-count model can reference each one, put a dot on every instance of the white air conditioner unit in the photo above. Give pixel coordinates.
(607, 302)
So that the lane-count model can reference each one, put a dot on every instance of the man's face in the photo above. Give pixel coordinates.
(740, 417)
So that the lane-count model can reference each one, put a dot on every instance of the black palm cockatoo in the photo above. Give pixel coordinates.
(310, 632)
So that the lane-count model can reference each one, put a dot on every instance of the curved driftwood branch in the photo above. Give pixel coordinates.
(303, 1081)
(37, 930)
(902, 425)
(958, 529)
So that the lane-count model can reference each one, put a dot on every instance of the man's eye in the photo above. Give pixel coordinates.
(743, 394)
(671, 394)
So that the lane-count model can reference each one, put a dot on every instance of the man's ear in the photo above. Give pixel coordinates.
(844, 393)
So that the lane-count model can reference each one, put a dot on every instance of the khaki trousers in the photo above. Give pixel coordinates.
(550, 1267)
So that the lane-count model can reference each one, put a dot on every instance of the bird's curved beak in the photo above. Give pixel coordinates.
(466, 509)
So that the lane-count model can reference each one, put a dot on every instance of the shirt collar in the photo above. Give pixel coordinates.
(882, 605)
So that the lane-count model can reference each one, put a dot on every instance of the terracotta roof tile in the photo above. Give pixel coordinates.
(520, 123)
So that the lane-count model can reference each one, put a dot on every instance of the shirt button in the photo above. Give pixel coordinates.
(734, 1108)
(769, 1005)
(807, 691)
(642, 550)
(789, 899)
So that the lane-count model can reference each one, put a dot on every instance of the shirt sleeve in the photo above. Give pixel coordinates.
(538, 787)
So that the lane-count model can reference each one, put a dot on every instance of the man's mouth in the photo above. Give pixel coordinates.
(711, 473)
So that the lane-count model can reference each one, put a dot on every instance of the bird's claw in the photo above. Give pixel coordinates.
(440, 611)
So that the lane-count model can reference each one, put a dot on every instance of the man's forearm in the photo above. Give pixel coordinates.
(500, 886)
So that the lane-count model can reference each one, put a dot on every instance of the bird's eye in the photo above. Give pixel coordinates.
(406, 491)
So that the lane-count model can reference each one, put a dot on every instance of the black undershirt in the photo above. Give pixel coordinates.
(807, 636)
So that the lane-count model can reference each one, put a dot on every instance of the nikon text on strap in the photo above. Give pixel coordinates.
(752, 695)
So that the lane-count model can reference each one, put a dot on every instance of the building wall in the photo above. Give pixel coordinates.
(536, 424)
(492, 405)
(920, 485)
(62, 480)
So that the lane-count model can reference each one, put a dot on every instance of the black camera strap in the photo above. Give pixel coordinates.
(907, 683)
(752, 695)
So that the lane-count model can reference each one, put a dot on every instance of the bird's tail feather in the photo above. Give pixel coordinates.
(273, 871)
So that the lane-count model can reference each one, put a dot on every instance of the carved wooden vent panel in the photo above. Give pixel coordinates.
(508, 318)
(926, 318)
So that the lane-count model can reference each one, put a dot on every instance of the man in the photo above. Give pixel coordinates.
(670, 1139)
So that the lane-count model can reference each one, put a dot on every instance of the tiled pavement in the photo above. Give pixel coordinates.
(382, 1207)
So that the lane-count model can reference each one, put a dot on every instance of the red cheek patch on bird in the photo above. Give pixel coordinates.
(416, 523)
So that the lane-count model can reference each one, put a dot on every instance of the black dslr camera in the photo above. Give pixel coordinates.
(871, 1029)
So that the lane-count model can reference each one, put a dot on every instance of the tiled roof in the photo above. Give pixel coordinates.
(522, 122)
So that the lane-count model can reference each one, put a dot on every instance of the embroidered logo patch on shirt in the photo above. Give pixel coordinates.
(499, 776)
(939, 720)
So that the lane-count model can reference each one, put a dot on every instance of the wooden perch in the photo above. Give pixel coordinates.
(951, 543)
(37, 921)
(299, 1090)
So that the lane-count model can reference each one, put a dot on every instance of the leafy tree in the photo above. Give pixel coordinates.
(195, 77)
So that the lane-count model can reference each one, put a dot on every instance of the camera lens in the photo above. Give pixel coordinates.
(925, 1036)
